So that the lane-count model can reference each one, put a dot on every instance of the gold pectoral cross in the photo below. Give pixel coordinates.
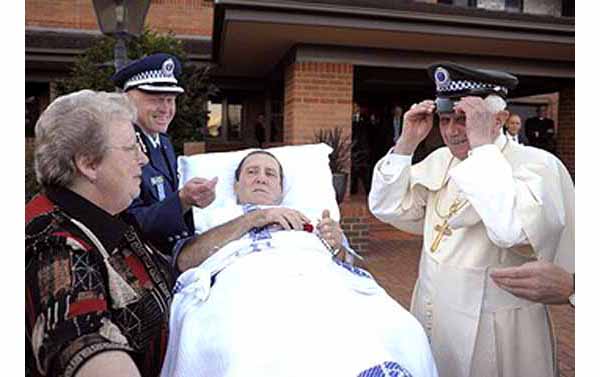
(442, 230)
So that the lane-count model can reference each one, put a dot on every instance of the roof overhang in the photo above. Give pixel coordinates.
(251, 37)
(51, 52)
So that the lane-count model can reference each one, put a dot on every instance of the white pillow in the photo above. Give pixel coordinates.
(307, 182)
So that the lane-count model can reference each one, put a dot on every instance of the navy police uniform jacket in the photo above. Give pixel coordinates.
(158, 208)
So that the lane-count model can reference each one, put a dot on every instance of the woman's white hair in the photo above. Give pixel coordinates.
(75, 125)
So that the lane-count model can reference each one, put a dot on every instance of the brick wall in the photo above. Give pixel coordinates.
(317, 95)
(71, 14)
(355, 223)
(566, 128)
(190, 17)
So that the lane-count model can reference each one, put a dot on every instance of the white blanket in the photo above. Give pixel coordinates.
(281, 306)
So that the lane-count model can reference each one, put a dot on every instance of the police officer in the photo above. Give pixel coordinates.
(162, 210)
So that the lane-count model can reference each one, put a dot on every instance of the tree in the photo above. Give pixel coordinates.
(93, 70)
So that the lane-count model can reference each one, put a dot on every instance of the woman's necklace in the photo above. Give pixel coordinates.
(443, 229)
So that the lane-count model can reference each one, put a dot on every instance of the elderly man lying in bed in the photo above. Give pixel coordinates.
(268, 298)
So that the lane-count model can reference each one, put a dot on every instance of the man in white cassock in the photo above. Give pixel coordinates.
(481, 203)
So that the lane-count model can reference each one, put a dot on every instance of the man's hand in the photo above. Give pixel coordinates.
(330, 230)
(287, 218)
(417, 124)
(538, 281)
(480, 120)
(199, 192)
(201, 247)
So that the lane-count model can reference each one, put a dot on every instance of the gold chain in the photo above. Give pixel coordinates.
(456, 206)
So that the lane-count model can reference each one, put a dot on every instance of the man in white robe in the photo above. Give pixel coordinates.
(481, 203)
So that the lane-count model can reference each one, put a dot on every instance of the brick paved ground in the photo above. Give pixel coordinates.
(393, 259)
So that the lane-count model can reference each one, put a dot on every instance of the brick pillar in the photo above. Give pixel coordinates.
(566, 128)
(355, 223)
(317, 95)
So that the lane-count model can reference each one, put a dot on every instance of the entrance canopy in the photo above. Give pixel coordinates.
(253, 38)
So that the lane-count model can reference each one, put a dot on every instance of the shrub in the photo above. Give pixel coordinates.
(339, 159)
(93, 70)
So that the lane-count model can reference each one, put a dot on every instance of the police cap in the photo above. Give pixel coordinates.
(155, 73)
(454, 81)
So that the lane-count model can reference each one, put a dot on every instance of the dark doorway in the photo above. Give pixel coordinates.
(382, 93)
(36, 99)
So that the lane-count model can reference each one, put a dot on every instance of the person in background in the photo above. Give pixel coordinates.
(163, 210)
(97, 295)
(397, 121)
(540, 130)
(513, 130)
(360, 153)
(260, 130)
(380, 135)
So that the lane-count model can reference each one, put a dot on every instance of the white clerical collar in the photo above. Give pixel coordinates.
(511, 136)
(500, 141)
(154, 140)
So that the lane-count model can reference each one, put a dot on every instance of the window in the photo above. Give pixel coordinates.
(513, 5)
(225, 119)
(215, 119)
(234, 121)
(460, 3)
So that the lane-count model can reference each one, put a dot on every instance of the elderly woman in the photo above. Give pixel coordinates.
(97, 296)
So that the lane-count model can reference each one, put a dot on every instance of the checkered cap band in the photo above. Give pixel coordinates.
(465, 85)
(150, 77)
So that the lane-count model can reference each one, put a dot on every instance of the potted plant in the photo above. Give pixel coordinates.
(339, 159)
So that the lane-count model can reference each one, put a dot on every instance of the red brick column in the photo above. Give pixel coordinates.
(355, 223)
(566, 128)
(317, 95)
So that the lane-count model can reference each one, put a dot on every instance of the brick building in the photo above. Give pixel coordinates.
(304, 63)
